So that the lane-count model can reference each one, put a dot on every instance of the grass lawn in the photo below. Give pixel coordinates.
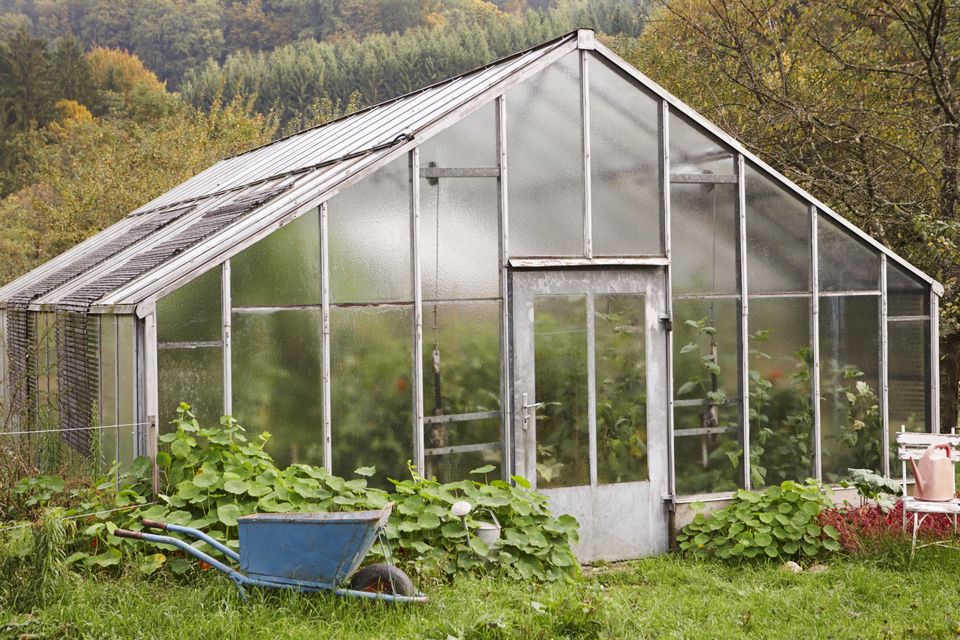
(664, 597)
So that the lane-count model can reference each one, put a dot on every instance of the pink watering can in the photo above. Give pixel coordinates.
(935, 474)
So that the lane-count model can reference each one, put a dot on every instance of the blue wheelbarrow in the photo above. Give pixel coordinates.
(303, 552)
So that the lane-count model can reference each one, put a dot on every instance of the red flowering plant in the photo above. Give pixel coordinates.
(868, 528)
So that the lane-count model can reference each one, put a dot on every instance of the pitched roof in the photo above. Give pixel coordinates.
(185, 232)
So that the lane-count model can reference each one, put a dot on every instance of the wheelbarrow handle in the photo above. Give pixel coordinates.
(125, 533)
(154, 524)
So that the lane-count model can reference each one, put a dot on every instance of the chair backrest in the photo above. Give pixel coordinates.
(910, 446)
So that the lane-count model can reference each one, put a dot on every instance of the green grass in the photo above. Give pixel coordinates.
(664, 597)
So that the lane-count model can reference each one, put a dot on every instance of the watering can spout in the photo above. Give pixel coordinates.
(921, 485)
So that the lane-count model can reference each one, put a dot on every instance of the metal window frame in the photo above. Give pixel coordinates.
(226, 333)
(815, 343)
(666, 245)
(743, 357)
(508, 462)
(416, 382)
(884, 371)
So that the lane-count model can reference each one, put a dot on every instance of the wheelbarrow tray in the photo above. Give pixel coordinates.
(321, 548)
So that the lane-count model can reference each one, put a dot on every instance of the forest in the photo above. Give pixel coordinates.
(106, 104)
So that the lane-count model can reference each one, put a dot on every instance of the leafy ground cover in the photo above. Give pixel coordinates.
(665, 597)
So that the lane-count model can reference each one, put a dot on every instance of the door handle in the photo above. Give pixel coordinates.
(527, 413)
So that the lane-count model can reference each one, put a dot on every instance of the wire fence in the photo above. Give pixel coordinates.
(27, 432)
(78, 516)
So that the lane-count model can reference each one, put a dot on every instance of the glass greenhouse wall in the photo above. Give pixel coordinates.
(565, 274)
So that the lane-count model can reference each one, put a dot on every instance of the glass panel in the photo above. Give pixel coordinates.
(545, 148)
(908, 366)
(560, 365)
(371, 399)
(108, 438)
(706, 463)
(704, 238)
(781, 414)
(369, 229)
(778, 237)
(693, 151)
(621, 382)
(906, 296)
(624, 164)
(457, 466)
(844, 263)
(127, 389)
(461, 358)
(191, 313)
(283, 268)
(276, 369)
(705, 352)
(41, 341)
(849, 364)
(108, 386)
(194, 376)
(460, 257)
(472, 142)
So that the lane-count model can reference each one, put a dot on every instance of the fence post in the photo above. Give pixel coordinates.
(152, 453)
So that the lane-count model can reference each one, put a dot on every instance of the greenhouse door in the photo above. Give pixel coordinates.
(590, 393)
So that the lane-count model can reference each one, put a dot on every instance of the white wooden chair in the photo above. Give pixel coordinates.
(911, 446)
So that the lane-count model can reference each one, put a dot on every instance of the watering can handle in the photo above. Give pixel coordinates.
(946, 446)
(916, 474)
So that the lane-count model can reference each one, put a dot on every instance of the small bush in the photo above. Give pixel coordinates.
(778, 523)
(870, 529)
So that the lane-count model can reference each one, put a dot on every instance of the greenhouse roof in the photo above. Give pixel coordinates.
(232, 204)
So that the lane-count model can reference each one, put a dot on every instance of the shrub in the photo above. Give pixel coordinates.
(780, 522)
(869, 528)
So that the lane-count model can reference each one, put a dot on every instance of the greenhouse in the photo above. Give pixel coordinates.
(549, 266)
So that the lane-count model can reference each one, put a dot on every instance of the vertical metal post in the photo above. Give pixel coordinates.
(326, 427)
(585, 147)
(226, 305)
(935, 362)
(506, 388)
(152, 453)
(815, 343)
(884, 370)
(744, 337)
(417, 382)
(666, 244)
(116, 385)
(592, 388)
(150, 377)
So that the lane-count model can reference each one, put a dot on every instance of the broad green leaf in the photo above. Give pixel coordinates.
(180, 566)
(366, 472)
(487, 468)
(479, 546)
(235, 486)
(108, 558)
(151, 563)
(228, 514)
(206, 479)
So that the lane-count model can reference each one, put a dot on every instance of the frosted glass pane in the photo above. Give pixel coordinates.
(705, 333)
(621, 388)
(127, 389)
(472, 142)
(781, 414)
(466, 242)
(624, 164)
(283, 268)
(909, 358)
(194, 376)
(371, 404)
(849, 374)
(108, 369)
(461, 358)
(845, 263)
(277, 378)
(692, 151)
(545, 162)
(706, 463)
(560, 362)
(369, 230)
(704, 238)
(457, 466)
(906, 296)
(778, 237)
(192, 312)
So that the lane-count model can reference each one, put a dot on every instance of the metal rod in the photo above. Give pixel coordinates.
(461, 417)
(464, 448)
(935, 362)
(592, 387)
(508, 467)
(416, 277)
(744, 338)
(226, 303)
(667, 246)
(815, 344)
(551, 263)
(198, 344)
(884, 357)
(700, 431)
(327, 421)
(585, 150)
(460, 172)
(702, 178)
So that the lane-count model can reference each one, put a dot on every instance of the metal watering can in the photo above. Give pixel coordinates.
(935, 474)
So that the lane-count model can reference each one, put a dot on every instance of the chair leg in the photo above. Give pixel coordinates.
(916, 525)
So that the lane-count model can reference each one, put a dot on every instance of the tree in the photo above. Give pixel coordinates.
(857, 102)
(26, 97)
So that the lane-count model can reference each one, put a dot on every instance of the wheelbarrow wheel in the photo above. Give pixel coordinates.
(382, 578)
